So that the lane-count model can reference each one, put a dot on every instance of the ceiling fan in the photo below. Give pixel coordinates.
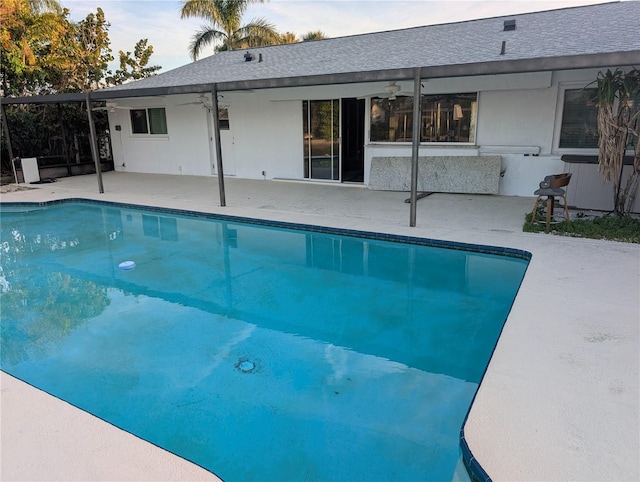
(205, 103)
(393, 89)
(110, 106)
(202, 99)
(390, 91)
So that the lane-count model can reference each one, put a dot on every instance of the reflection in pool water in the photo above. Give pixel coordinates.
(258, 352)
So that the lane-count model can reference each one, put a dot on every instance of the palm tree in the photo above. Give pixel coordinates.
(40, 6)
(289, 38)
(224, 26)
(313, 35)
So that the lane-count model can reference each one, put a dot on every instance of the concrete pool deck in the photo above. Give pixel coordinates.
(560, 399)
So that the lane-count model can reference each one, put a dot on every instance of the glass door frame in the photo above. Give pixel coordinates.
(335, 142)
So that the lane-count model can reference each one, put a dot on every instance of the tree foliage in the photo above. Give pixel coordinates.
(224, 29)
(44, 52)
(617, 96)
(313, 35)
(28, 31)
(289, 38)
(93, 50)
(52, 132)
(138, 64)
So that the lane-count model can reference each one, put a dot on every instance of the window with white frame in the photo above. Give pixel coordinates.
(579, 125)
(447, 118)
(152, 121)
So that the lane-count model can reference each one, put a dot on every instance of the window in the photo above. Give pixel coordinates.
(579, 128)
(392, 120)
(223, 118)
(148, 121)
(449, 118)
(444, 118)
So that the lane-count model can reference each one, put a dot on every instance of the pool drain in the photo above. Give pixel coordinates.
(245, 366)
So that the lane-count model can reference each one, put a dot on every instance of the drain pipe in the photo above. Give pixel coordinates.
(94, 142)
(415, 145)
(216, 134)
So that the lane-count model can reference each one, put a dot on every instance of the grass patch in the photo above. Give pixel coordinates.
(613, 228)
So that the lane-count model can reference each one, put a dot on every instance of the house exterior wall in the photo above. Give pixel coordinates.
(518, 125)
(518, 119)
(516, 116)
(266, 136)
(184, 150)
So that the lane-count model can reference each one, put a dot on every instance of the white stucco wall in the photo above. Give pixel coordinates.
(266, 136)
(518, 125)
(518, 118)
(183, 150)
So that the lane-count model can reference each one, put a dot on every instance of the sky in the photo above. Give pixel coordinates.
(159, 20)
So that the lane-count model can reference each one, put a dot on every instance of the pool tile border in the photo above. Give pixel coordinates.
(436, 243)
(474, 469)
(471, 464)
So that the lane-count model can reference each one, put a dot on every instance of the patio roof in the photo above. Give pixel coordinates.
(570, 38)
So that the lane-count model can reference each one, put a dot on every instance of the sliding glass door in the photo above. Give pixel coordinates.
(321, 126)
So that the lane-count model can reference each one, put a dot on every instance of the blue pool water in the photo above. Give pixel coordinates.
(258, 352)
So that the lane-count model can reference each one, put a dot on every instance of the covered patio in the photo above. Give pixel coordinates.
(559, 401)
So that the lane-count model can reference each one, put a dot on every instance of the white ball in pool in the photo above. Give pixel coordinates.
(127, 265)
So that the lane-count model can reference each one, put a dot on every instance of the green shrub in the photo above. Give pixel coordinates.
(614, 228)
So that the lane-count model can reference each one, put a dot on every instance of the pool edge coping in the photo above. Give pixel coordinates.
(111, 424)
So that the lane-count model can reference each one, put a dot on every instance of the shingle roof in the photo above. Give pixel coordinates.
(609, 28)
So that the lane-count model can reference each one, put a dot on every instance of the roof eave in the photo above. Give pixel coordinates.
(45, 99)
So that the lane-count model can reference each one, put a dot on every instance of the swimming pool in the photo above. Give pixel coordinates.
(260, 352)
